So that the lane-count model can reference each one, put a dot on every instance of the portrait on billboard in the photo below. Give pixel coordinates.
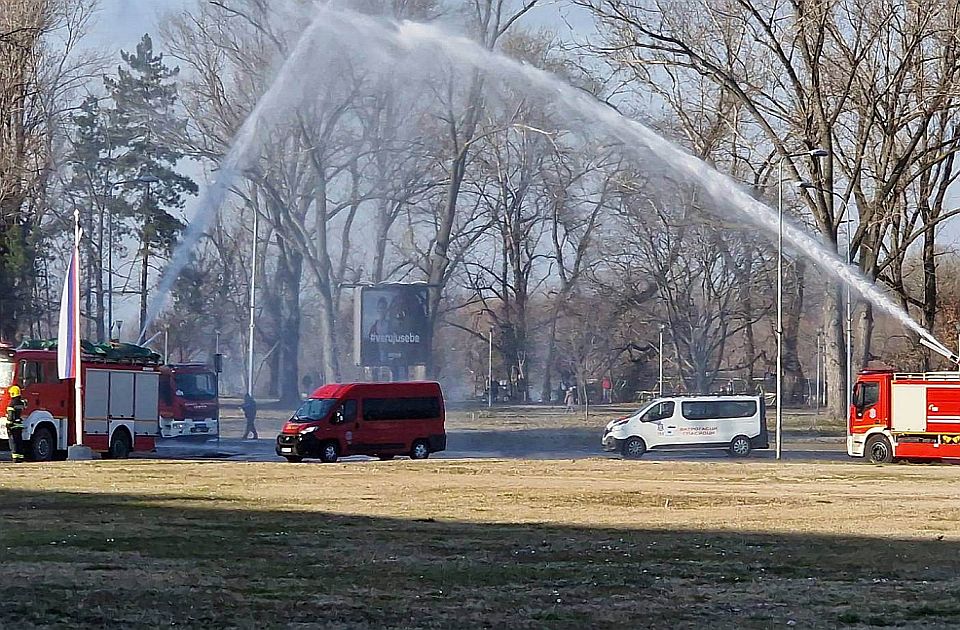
(393, 325)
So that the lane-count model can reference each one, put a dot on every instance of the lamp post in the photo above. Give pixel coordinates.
(490, 368)
(660, 357)
(816, 154)
(253, 303)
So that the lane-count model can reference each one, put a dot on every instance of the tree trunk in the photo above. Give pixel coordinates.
(865, 336)
(793, 379)
(835, 357)
(289, 271)
(144, 274)
(546, 390)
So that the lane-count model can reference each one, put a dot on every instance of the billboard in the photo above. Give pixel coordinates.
(392, 326)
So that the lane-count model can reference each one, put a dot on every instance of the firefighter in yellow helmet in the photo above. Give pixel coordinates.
(15, 424)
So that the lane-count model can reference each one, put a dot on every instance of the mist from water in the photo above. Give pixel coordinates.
(417, 44)
(238, 157)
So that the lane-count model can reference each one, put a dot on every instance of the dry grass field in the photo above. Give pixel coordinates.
(486, 544)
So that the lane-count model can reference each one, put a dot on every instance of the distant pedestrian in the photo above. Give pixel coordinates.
(249, 408)
(607, 389)
(15, 424)
(570, 400)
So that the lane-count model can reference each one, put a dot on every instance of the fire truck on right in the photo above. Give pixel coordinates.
(915, 417)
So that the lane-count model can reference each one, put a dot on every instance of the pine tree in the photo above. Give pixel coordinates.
(145, 125)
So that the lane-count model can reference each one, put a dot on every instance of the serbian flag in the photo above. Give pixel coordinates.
(68, 335)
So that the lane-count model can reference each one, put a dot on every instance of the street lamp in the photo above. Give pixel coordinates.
(816, 154)
(660, 379)
(490, 369)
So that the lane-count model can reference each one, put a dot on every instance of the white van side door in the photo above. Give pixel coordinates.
(696, 424)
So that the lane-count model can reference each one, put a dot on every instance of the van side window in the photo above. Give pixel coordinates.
(349, 411)
(718, 409)
(870, 393)
(401, 408)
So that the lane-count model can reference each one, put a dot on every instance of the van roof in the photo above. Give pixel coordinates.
(711, 397)
(403, 388)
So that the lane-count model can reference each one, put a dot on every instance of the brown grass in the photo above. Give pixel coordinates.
(592, 543)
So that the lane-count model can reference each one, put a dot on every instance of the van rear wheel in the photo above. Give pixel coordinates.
(740, 446)
(420, 450)
(634, 448)
(878, 450)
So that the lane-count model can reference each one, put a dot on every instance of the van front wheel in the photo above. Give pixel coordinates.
(634, 448)
(740, 446)
(330, 453)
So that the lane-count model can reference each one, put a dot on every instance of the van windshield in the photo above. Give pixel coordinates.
(6, 373)
(314, 409)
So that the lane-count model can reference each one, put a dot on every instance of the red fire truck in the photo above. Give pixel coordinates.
(189, 405)
(905, 416)
(120, 403)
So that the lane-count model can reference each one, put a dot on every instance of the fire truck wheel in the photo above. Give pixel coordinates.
(329, 453)
(878, 450)
(634, 448)
(740, 446)
(120, 444)
(42, 445)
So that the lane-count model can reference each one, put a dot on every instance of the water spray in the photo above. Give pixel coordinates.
(389, 40)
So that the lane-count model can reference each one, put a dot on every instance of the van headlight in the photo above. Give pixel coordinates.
(309, 430)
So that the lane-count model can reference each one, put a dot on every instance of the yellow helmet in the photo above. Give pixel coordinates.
(14, 391)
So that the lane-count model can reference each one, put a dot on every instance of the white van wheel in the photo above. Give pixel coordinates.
(634, 448)
(740, 446)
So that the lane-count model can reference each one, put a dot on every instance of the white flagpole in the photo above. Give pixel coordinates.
(78, 381)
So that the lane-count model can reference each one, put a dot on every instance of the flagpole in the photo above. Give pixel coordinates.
(78, 380)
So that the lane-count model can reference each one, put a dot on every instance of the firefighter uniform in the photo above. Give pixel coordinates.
(15, 424)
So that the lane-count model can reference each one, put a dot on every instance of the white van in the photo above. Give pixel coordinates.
(736, 423)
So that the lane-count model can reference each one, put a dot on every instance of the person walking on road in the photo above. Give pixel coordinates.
(15, 424)
(570, 400)
(249, 408)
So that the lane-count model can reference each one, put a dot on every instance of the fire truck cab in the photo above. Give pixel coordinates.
(189, 405)
(120, 403)
(904, 416)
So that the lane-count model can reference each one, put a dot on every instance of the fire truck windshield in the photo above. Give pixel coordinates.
(6, 373)
(196, 386)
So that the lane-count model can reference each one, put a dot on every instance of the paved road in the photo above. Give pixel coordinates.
(513, 444)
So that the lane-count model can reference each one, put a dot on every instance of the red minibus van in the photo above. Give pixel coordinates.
(380, 419)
